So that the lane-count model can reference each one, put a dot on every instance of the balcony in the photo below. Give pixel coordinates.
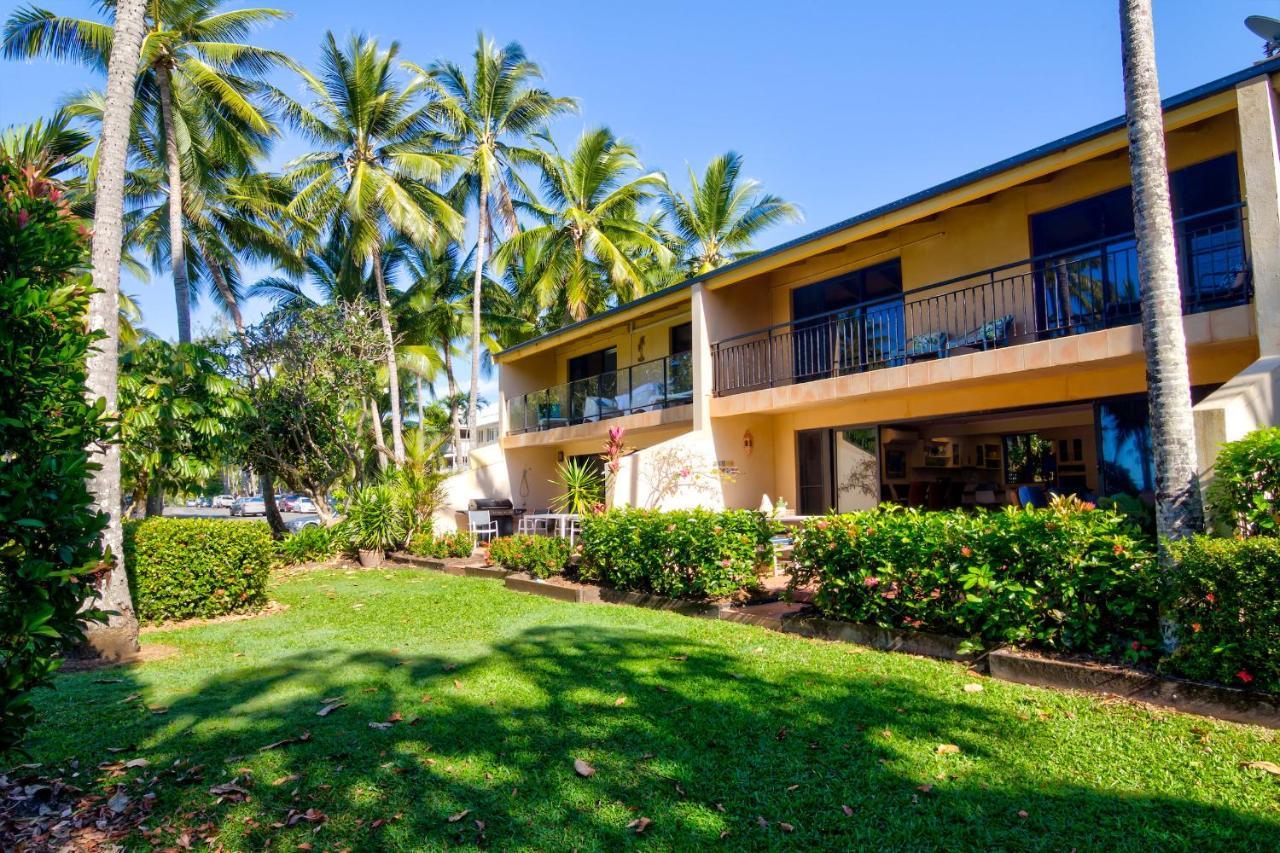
(647, 387)
(1084, 289)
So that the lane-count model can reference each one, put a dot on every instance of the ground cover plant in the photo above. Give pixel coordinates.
(457, 711)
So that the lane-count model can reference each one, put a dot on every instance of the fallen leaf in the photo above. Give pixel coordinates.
(583, 768)
(640, 824)
(1265, 766)
(792, 787)
(1023, 814)
(764, 824)
(108, 680)
(724, 835)
(426, 697)
(285, 780)
(924, 789)
(380, 726)
(786, 827)
(137, 762)
(454, 818)
(947, 749)
(330, 708)
(450, 667)
(395, 717)
(457, 685)
(118, 802)
(848, 812)
(679, 657)
(620, 701)
(480, 825)
(973, 688)
(302, 738)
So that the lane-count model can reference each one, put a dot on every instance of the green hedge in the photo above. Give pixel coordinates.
(456, 544)
(181, 568)
(540, 556)
(311, 544)
(1068, 578)
(684, 554)
(1224, 596)
(1245, 494)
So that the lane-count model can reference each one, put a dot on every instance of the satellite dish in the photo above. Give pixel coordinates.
(1267, 29)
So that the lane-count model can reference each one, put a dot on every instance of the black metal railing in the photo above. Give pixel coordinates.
(656, 384)
(1078, 290)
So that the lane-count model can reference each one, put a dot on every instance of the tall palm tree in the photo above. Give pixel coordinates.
(1179, 511)
(119, 637)
(198, 82)
(490, 118)
(581, 256)
(373, 171)
(723, 214)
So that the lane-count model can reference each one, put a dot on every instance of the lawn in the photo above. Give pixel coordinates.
(717, 733)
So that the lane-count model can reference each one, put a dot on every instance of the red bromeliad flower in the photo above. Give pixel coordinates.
(1209, 597)
(1244, 676)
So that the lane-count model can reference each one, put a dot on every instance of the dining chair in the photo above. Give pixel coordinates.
(479, 523)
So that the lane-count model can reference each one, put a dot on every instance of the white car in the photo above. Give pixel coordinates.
(304, 504)
(224, 501)
(249, 506)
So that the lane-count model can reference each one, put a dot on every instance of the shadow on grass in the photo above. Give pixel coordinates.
(696, 738)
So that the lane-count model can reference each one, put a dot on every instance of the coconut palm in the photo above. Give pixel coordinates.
(120, 635)
(723, 214)
(1179, 511)
(199, 87)
(371, 175)
(581, 255)
(490, 117)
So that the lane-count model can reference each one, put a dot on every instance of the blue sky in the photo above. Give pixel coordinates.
(836, 106)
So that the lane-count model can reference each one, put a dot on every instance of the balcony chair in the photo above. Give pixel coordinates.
(479, 523)
(990, 335)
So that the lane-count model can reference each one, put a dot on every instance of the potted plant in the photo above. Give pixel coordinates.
(376, 522)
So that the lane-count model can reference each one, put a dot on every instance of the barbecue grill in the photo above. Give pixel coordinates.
(500, 510)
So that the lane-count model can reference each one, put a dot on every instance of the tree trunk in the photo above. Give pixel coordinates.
(1179, 512)
(421, 418)
(379, 443)
(177, 243)
(119, 636)
(321, 500)
(274, 520)
(482, 236)
(454, 426)
(393, 375)
(155, 500)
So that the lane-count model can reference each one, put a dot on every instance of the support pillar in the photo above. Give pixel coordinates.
(1260, 161)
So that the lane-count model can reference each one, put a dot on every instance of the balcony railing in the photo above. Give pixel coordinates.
(1078, 290)
(646, 387)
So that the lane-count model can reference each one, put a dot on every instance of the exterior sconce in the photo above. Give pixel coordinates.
(559, 455)
(748, 442)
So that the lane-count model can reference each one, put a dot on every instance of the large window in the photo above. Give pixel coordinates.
(1124, 447)
(593, 384)
(865, 330)
(1028, 458)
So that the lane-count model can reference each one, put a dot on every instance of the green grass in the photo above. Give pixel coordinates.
(722, 724)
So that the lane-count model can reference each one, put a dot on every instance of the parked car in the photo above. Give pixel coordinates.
(193, 502)
(284, 503)
(224, 501)
(253, 505)
(299, 523)
(206, 502)
(303, 504)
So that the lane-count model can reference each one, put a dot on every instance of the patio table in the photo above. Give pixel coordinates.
(560, 522)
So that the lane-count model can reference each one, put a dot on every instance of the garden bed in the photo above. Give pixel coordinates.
(560, 589)
(1192, 697)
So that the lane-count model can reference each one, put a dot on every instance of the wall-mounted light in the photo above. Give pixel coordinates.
(748, 442)
(559, 455)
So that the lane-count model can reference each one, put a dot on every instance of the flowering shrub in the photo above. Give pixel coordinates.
(456, 544)
(1245, 493)
(540, 556)
(1224, 596)
(1070, 577)
(185, 567)
(683, 554)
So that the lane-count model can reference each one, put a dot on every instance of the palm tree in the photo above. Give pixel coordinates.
(370, 176)
(1179, 511)
(198, 82)
(722, 215)
(490, 117)
(120, 635)
(582, 253)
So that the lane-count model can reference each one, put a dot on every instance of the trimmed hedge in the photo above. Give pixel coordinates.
(180, 568)
(456, 544)
(1224, 597)
(1067, 578)
(540, 556)
(695, 554)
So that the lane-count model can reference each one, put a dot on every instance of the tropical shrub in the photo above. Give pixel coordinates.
(1245, 493)
(375, 519)
(582, 488)
(1224, 596)
(308, 545)
(49, 534)
(1069, 578)
(180, 568)
(455, 544)
(540, 556)
(683, 554)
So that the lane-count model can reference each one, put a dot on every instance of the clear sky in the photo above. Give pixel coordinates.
(837, 106)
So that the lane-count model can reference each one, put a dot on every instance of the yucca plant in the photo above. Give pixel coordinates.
(582, 485)
(375, 519)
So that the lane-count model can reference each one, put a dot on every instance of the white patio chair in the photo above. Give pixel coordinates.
(480, 524)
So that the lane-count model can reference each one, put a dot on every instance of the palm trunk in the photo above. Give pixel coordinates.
(1179, 511)
(393, 375)
(482, 236)
(119, 636)
(379, 443)
(418, 388)
(454, 426)
(177, 245)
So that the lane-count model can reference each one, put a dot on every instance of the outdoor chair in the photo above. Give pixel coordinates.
(479, 523)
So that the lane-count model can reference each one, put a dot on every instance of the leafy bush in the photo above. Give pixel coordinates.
(1067, 578)
(456, 544)
(540, 556)
(684, 554)
(1245, 493)
(308, 545)
(181, 568)
(375, 519)
(1224, 596)
(49, 534)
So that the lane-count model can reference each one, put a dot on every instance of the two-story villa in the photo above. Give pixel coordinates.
(943, 350)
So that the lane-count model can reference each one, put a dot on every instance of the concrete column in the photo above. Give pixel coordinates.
(703, 368)
(1260, 160)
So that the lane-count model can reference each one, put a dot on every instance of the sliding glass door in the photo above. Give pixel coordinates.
(837, 469)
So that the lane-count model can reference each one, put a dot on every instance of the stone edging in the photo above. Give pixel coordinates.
(1192, 697)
